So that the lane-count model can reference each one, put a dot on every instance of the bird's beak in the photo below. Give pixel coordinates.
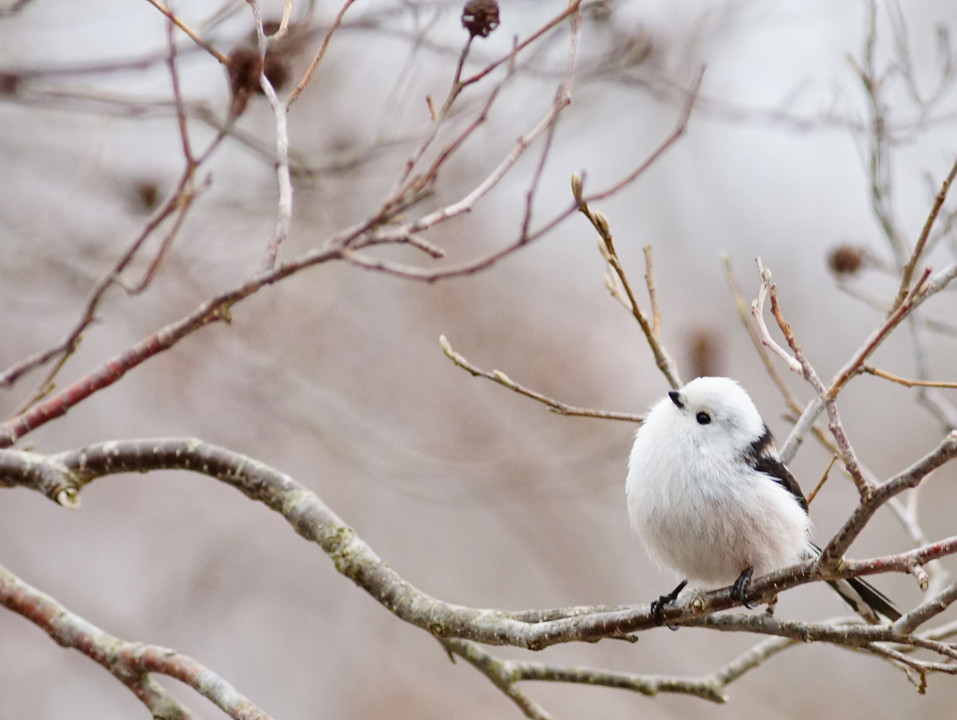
(676, 398)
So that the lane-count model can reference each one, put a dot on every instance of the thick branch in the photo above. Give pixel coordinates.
(313, 520)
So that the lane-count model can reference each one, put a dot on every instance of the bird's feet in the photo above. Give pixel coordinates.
(739, 591)
(658, 606)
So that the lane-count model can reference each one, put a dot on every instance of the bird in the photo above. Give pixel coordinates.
(710, 498)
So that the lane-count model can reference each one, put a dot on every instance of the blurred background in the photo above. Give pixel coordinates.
(474, 494)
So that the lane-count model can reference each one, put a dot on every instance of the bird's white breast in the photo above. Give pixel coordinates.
(706, 515)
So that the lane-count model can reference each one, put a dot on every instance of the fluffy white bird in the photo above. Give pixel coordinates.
(710, 498)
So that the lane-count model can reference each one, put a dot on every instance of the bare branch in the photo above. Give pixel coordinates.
(176, 20)
(915, 297)
(215, 309)
(283, 179)
(556, 406)
(507, 673)
(320, 53)
(500, 672)
(132, 663)
(927, 610)
(909, 478)
(676, 133)
(620, 287)
(313, 520)
(907, 274)
(750, 660)
(573, 8)
(848, 456)
(757, 312)
(871, 370)
(179, 203)
(759, 341)
(879, 144)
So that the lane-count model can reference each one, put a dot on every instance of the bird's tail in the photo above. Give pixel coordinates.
(866, 600)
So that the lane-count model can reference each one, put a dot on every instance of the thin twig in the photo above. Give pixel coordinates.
(283, 178)
(507, 673)
(871, 502)
(879, 159)
(790, 400)
(500, 673)
(178, 94)
(652, 290)
(756, 339)
(846, 450)
(820, 483)
(907, 273)
(179, 202)
(571, 9)
(556, 406)
(757, 313)
(749, 660)
(871, 370)
(320, 53)
(215, 309)
(620, 287)
(679, 129)
(917, 294)
(176, 20)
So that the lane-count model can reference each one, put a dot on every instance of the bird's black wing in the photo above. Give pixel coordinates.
(763, 457)
(866, 600)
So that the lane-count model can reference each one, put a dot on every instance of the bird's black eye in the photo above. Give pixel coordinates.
(703, 418)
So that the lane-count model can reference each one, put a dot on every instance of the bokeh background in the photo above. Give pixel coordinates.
(476, 495)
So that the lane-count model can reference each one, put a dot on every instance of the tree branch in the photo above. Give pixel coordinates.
(504, 380)
(909, 478)
(132, 663)
(313, 520)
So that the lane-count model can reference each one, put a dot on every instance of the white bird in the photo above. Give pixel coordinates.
(710, 498)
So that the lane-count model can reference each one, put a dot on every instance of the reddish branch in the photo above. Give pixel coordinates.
(131, 663)
(342, 246)
(215, 309)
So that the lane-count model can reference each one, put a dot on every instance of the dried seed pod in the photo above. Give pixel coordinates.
(705, 352)
(845, 259)
(9, 83)
(243, 70)
(480, 17)
(147, 194)
(276, 71)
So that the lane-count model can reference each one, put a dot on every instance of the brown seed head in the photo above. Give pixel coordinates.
(148, 194)
(845, 259)
(244, 67)
(9, 83)
(705, 352)
(243, 70)
(277, 71)
(480, 17)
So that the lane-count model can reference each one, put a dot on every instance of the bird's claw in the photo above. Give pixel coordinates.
(739, 591)
(658, 606)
